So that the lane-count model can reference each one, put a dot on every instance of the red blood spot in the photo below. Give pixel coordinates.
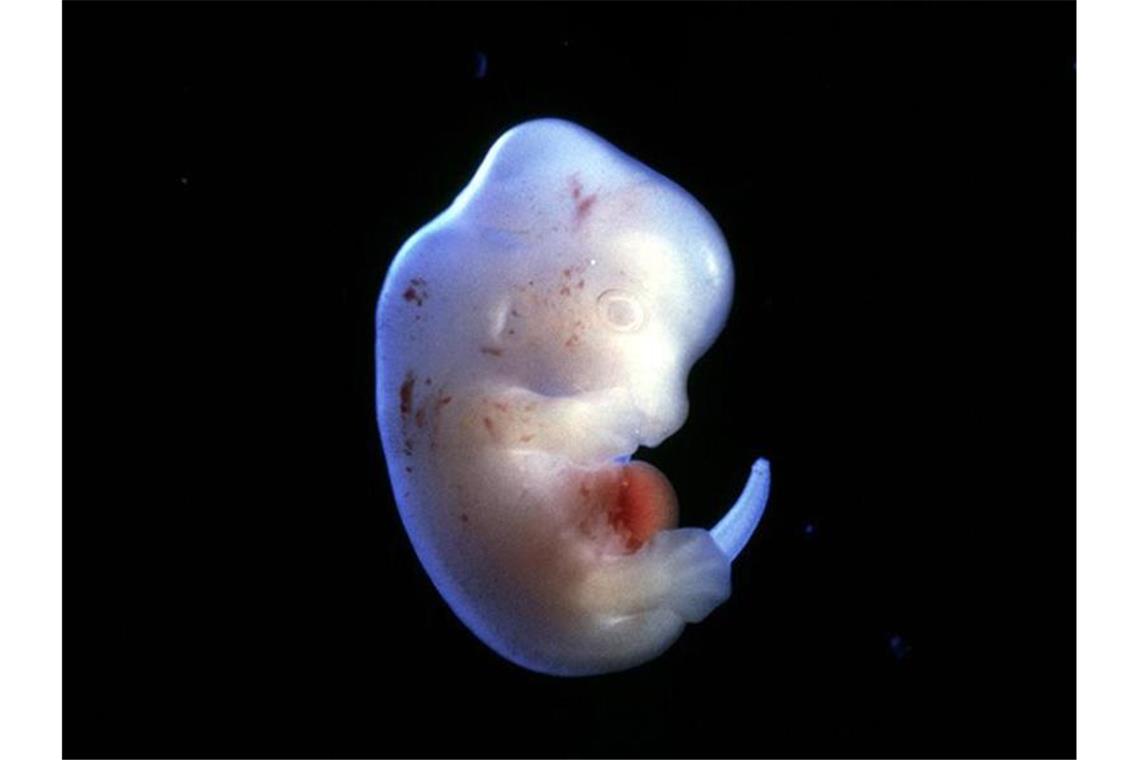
(501, 406)
(583, 206)
(444, 401)
(421, 417)
(526, 438)
(411, 294)
(491, 351)
(406, 389)
(566, 272)
(565, 290)
(488, 424)
(581, 284)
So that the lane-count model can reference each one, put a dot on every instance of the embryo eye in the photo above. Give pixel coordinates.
(620, 310)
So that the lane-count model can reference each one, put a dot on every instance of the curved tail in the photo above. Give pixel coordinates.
(737, 526)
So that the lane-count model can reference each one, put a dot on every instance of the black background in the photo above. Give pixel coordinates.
(897, 185)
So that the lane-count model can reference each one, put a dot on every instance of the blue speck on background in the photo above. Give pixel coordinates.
(899, 646)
